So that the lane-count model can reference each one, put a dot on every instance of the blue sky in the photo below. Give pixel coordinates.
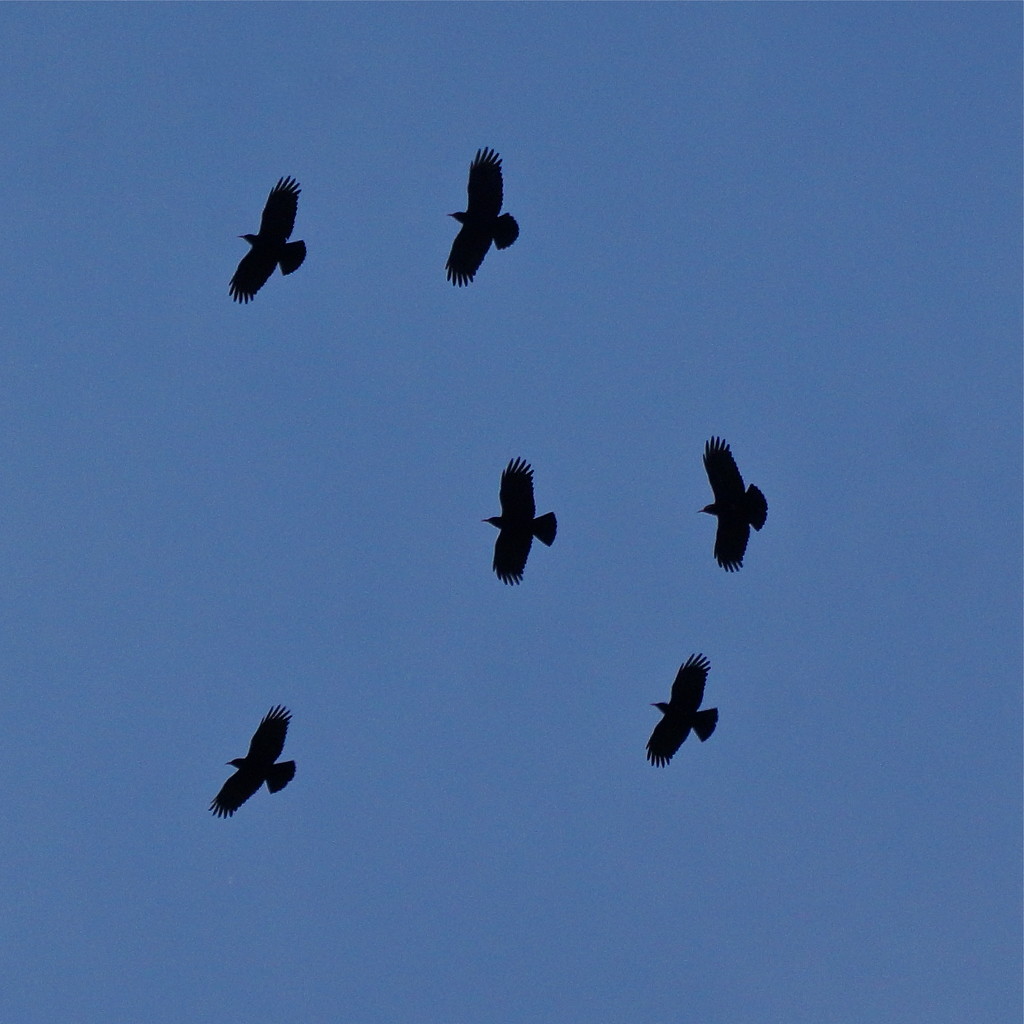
(794, 226)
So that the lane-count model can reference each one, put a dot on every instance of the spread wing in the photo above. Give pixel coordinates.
(516, 493)
(511, 550)
(731, 542)
(688, 689)
(252, 274)
(666, 739)
(235, 792)
(468, 252)
(485, 185)
(723, 475)
(279, 213)
(268, 740)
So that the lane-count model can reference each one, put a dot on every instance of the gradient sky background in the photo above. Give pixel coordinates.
(798, 227)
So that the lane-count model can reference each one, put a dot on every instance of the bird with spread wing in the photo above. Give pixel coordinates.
(680, 714)
(737, 510)
(258, 765)
(270, 248)
(481, 223)
(517, 523)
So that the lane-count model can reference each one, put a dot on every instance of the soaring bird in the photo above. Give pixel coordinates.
(258, 765)
(271, 246)
(680, 714)
(480, 222)
(517, 524)
(737, 510)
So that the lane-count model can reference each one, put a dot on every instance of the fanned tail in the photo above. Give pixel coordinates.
(292, 256)
(280, 775)
(757, 507)
(506, 231)
(704, 723)
(544, 528)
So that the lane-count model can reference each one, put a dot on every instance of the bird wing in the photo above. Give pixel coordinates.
(723, 475)
(688, 689)
(268, 739)
(236, 791)
(485, 186)
(279, 213)
(511, 550)
(252, 274)
(468, 252)
(731, 541)
(516, 493)
(666, 739)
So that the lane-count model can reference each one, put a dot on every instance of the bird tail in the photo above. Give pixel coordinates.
(544, 528)
(280, 775)
(506, 231)
(292, 256)
(757, 507)
(704, 723)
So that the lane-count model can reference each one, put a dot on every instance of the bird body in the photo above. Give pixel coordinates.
(518, 523)
(270, 248)
(481, 223)
(258, 765)
(680, 714)
(737, 509)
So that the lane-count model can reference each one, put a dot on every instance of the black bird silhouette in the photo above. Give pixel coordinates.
(480, 222)
(271, 246)
(516, 523)
(737, 510)
(681, 714)
(258, 765)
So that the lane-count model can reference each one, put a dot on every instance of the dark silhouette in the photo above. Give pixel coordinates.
(258, 765)
(737, 510)
(271, 246)
(480, 222)
(517, 524)
(681, 714)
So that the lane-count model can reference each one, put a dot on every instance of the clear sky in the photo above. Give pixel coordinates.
(794, 226)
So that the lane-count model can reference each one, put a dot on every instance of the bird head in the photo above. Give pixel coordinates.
(460, 217)
(238, 762)
(494, 521)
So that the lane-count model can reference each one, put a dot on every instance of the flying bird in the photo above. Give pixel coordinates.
(737, 510)
(680, 714)
(480, 222)
(258, 765)
(271, 246)
(516, 524)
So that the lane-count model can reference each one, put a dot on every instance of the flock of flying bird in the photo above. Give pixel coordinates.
(737, 508)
